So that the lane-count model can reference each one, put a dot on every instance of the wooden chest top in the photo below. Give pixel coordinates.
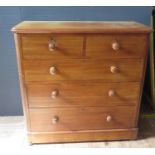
(80, 27)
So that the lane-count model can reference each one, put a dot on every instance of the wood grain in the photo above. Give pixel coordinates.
(73, 94)
(100, 46)
(35, 46)
(86, 118)
(129, 70)
(80, 27)
(142, 79)
(81, 81)
(82, 136)
(21, 80)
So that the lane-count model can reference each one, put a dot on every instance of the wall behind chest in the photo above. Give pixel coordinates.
(10, 101)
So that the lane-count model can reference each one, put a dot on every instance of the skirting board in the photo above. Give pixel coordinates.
(82, 136)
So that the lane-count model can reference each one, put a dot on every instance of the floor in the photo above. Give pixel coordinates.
(13, 135)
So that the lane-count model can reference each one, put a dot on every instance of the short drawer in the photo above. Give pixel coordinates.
(88, 118)
(116, 46)
(107, 70)
(47, 46)
(73, 94)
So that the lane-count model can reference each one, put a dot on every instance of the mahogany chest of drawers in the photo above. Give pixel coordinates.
(81, 81)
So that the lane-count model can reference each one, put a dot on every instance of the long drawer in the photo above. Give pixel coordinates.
(88, 118)
(108, 70)
(72, 94)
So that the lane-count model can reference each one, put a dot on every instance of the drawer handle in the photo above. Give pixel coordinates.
(52, 45)
(111, 93)
(55, 119)
(54, 94)
(53, 70)
(109, 118)
(115, 46)
(114, 69)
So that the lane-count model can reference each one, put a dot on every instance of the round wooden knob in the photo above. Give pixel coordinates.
(55, 119)
(53, 70)
(54, 94)
(113, 69)
(111, 93)
(115, 46)
(52, 45)
(109, 118)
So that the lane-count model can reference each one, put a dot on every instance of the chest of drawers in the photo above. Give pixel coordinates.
(81, 81)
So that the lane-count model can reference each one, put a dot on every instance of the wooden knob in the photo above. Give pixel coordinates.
(111, 93)
(115, 46)
(52, 45)
(54, 94)
(109, 118)
(55, 119)
(113, 69)
(53, 70)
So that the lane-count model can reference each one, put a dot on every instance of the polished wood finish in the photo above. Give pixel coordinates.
(85, 118)
(71, 94)
(83, 136)
(21, 80)
(37, 46)
(116, 46)
(87, 27)
(108, 70)
(81, 81)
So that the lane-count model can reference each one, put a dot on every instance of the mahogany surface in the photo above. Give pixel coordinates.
(81, 81)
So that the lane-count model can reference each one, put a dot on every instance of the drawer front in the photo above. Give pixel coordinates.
(107, 70)
(116, 46)
(72, 94)
(45, 46)
(74, 119)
